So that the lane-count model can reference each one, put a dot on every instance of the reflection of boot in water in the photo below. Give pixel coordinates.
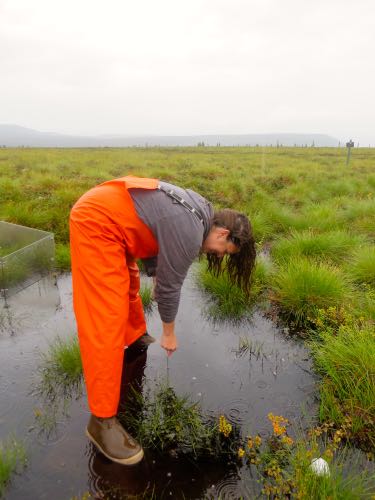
(110, 480)
(113, 441)
(132, 376)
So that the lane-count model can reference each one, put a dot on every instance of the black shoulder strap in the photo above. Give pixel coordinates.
(175, 196)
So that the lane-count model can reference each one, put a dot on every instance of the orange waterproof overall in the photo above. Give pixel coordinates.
(106, 237)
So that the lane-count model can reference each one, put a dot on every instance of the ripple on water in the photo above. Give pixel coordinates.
(103, 482)
(236, 411)
(56, 435)
(291, 414)
(281, 399)
(229, 489)
(261, 384)
(93, 477)
(264, 433)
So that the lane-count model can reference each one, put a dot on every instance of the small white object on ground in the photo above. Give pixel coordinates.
(320, 467)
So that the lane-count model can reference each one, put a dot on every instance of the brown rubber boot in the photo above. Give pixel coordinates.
(113, 441)
(141, 344)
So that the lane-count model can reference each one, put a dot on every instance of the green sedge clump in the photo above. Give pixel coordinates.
(146, 294)
(301, 287)
(59, 379)
(62, 257)
(332, 245)
(229, 302)
(361, 266)
(346, 362)
(60, 370)
(165, 422)
(12, 460)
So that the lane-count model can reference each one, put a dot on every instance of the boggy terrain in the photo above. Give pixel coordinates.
(314, 223)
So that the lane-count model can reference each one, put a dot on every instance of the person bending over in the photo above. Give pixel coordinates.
(167, 227)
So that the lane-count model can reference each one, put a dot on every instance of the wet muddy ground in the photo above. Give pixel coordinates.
(276, 376)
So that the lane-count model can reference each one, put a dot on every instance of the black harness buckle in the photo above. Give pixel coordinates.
(175, 196)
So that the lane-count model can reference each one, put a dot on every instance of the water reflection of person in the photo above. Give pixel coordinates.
(167, 227)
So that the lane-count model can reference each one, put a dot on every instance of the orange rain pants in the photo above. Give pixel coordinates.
(106, 237)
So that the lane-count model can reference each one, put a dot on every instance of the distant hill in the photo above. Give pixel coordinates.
(16, 136)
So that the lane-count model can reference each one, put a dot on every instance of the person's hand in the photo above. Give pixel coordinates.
(168, 338)
(169, 344)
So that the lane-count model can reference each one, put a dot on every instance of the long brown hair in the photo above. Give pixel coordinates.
(239, 266)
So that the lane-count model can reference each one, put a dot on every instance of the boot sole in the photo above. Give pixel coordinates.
(124, 461)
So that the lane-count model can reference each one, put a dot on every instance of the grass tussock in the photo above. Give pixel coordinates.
(361, 266)
(332, 245)
(301, 287)
(62, 257)
(263, 226)
(60, 378)
(168, 423)
(146, 293)
(346, 362)
(227, 300)
(60, 370)
(318, 217)
(364, 303)
(12, 460)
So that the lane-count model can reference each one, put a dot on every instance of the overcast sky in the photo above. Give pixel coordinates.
(189, 67)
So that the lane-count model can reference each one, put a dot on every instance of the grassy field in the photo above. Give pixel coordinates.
(313, 215)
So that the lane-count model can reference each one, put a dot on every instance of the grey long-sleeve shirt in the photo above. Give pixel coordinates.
(179, 234)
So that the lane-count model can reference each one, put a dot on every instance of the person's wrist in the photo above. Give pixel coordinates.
(168, 328)
(168, 333)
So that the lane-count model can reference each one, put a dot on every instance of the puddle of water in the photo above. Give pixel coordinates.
(276, 377)
(19, 312)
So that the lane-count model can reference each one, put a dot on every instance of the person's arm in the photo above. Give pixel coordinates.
(179, 239)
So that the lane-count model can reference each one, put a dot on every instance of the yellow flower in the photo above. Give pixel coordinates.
(241, 452)
(278, 423)
(224, 426)
(287, 440)
(258, 441)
